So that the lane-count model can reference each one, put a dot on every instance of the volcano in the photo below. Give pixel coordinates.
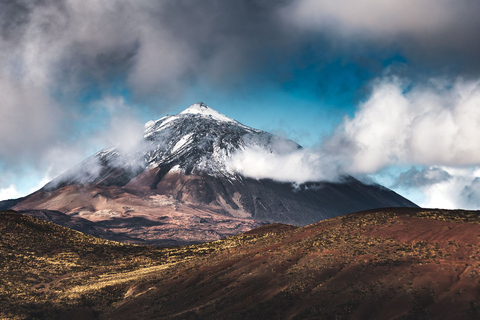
(177, 186)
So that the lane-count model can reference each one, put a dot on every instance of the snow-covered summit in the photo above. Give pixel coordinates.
(188, 157)
(196, 112)
(198, 140)
(202, 109)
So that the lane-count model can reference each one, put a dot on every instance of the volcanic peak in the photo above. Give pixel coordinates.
(181, 174)
(202, 109)
(193, 114)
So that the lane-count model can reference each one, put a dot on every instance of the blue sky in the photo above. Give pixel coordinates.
(386, 91)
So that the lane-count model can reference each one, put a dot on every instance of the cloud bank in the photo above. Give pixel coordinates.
(54, 51)
(433, 32)
(401, 123)
(61, 59)
(434, 124)
(444, 187)
(298, 166)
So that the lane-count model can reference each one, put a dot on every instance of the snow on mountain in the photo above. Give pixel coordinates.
(197, 140)
(179, 184)
(203, 110)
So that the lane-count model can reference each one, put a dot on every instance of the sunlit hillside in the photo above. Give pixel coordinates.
(392, 263)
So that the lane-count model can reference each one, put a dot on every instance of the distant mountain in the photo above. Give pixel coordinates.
(179, 179)
(197, 141)
(7, 204)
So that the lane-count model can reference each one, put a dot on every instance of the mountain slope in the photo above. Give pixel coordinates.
(179, 175)
(397, 263)
(381, 264)
(197, 141)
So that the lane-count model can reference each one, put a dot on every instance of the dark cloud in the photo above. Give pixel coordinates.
(54, 51)
(470, 195)
(160, 47)
(437, 36)
(421, 178)
(156, 45)
(13, 18)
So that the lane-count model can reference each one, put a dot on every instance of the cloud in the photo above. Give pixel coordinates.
(157, 47)
(123, 131)
(470, 195)
(29, 117)
(434, 32)
(298, 166)
(9, 192)
(376, 17)
(35, 162)
(13, 190)
(460, 190)
(422, 178)
(119, 128)
(160, 48)
(434, 123)
(53, 52)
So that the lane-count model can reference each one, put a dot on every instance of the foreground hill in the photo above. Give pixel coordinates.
(379, 264)
(178, 185)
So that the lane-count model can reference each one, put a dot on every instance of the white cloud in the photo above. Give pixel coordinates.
(299, 165)
(14, 192)
(9, 192)
(461, 190)
(435, 125)
(123, 130)
(424, 177)
(430, 124)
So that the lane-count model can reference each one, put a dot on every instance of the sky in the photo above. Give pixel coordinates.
(388, 91)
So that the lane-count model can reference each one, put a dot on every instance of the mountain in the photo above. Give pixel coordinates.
(398, 263)
(198, 141)
(177, 185)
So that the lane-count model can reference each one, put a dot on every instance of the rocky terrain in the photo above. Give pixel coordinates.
(398, 263)
(176, 186)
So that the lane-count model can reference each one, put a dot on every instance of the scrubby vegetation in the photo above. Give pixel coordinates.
(394, 263)
(47, 269)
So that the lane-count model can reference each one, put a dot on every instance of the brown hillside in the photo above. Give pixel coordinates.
(383, 264)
